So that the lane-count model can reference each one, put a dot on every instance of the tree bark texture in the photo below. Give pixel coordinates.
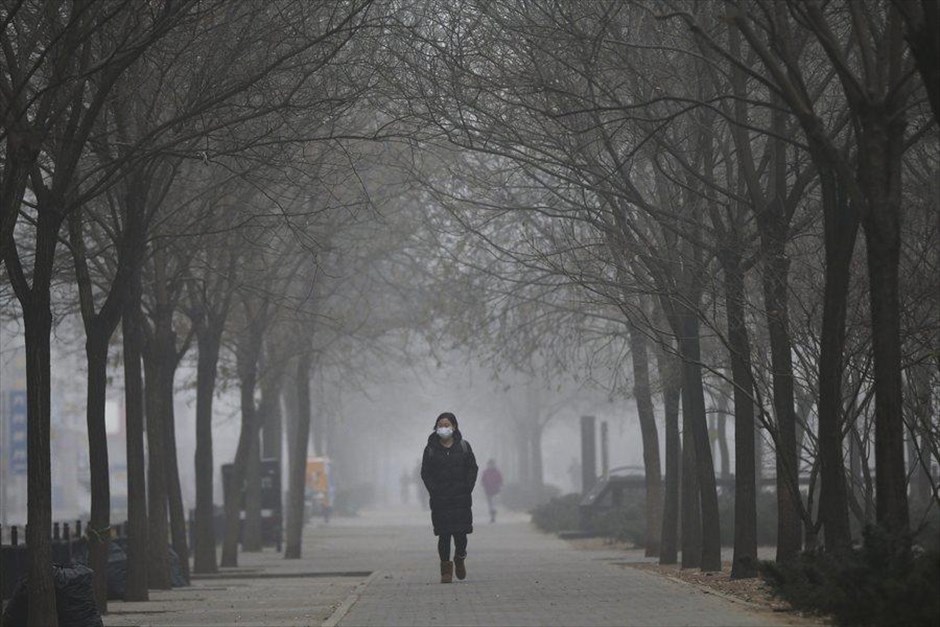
(251, 533)
(247, 352)
(880, 162)
(690, 521)
(704, 464)
(174, 491)
(37, 319)
(158, 574)
(136, 587)
(272, 434)
(669, 545)
(744, 561)
(267, 412)
(204, 555)
(538, 480)
(297, 460)
(776, 307)
(839, 233)
(642, 394)
(99, 523)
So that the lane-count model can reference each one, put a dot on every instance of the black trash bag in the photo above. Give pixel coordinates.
(117, 571)
(74, 598)
(16, 613)
(177, 578)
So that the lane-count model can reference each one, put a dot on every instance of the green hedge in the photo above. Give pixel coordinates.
(558, 514)
(885, 582)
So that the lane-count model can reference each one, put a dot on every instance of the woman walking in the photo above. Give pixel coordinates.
(449, 471)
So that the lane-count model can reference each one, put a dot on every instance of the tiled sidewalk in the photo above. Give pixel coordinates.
(517, 576)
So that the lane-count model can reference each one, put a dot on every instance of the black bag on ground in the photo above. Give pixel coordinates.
(75, 600)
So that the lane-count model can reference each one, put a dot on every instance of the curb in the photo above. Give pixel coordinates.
(340, 612)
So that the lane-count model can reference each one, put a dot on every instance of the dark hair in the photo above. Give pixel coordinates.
(449, 416)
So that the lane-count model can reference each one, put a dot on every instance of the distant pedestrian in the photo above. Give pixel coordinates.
(449, 471)
(492, 481)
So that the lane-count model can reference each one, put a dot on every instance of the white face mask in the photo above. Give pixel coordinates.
(445, 432)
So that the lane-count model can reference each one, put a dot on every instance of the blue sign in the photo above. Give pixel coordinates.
(18, 432)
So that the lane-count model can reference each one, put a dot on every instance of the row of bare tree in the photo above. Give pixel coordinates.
(682, 182)
(178, 168)
(690, 179)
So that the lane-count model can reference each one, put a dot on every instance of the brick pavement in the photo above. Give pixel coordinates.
(517, 576)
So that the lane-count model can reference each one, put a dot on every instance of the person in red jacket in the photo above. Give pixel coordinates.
(492, 481)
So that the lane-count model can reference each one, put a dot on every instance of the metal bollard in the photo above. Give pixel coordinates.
(14, 536)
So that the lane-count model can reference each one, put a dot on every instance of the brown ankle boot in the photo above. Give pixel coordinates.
(447, 572)
(460, 566)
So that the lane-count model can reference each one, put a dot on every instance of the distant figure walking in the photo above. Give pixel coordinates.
(449, 471)
(492, 481)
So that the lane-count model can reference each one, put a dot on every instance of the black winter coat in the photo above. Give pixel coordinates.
(449, 475)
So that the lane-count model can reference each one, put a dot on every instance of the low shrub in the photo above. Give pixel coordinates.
(884, 582)
(626, 523)
(557, 514)
(521, 498)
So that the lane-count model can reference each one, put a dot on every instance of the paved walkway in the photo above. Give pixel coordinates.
(517, 576)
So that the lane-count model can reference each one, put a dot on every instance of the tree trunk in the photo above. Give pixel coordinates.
(236, 481)
(158, 574)
(923, 22)
(272, 435)
(319, 438)
(840, 230)
(919, 456)
(268, 417)
(650, 435)
(136, 588)
(37, 319)
(247, 353)
(721, 439)
(204, 557)
(890, 481)
(744, 562)
(690, 522)
(297, 458)
(98, 528)
(669, 546)
(775, 284)
(879, 172)
(251, 535)
(174, 491)
(538, 480)
(704, 464)
(523, 443)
